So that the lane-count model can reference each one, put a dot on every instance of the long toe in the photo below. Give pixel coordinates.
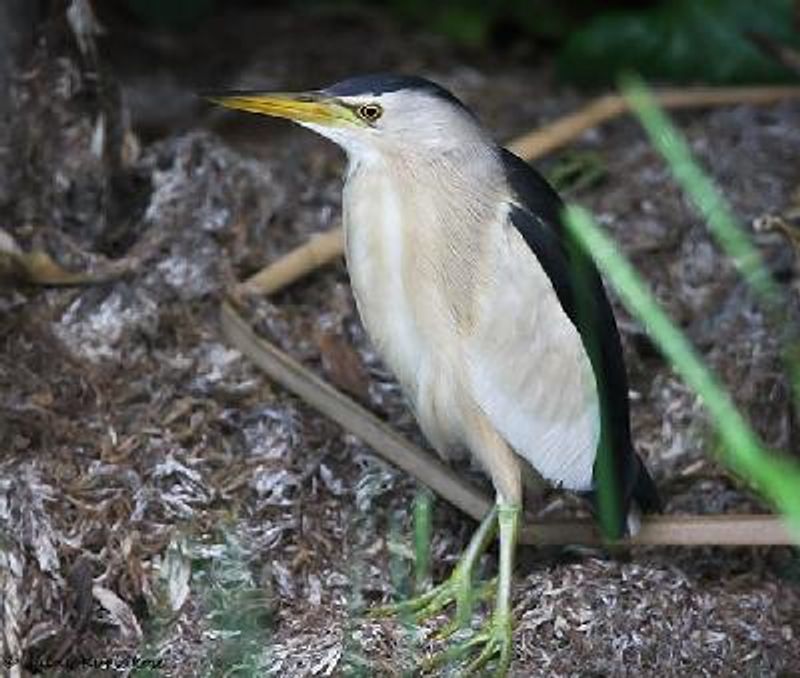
(497, 644)
(407, 608)
(457, 588)
(492, 644)
(484, 593)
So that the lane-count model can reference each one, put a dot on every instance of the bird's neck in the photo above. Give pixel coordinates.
(416, 226)
(463, 173)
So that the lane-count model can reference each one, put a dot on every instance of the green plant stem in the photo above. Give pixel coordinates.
(776, 477)
(423, 521)
(719, 216)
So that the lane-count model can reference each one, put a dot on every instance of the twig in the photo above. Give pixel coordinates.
(663, 530)
(684, 530)
(560, 132)
(325, 247)
(318, 251)
(37, 267)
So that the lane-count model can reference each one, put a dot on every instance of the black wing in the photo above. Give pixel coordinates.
(537, 215)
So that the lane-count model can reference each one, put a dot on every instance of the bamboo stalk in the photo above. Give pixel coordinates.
(430, 471)
(325, 247)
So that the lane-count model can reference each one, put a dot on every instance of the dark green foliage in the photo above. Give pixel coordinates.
(594, 41)
(173, 14)
(682, 41)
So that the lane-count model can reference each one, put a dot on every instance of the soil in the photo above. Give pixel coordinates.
(160, 499)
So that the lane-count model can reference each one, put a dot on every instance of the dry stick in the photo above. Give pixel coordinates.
(320, 249)
(605, 108)
(385, 441)
(687, 530)
(325, 247)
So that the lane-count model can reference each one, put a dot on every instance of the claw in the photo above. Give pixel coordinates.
(496, 641)
(405, 608)
(457, 588)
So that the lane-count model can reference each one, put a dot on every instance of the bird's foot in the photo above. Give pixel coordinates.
(492, 642)
(457, 588)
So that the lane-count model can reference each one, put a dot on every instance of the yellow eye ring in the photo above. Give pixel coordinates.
(370, 112)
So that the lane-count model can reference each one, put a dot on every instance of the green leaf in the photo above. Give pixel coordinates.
(682, 41)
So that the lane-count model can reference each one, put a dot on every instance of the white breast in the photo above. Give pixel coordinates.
(401, 295)
(375, 249)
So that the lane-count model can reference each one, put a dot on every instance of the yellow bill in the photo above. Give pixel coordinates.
(301, 107)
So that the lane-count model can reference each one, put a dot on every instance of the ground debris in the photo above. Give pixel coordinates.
(654, 615)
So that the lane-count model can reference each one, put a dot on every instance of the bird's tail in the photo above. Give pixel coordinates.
(637, 494)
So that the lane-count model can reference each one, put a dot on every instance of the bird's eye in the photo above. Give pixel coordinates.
(370, 112)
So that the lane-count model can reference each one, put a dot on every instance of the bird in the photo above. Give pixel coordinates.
(493, 319)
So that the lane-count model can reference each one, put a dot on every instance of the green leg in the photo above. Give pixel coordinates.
(457, 588)
(495, 639)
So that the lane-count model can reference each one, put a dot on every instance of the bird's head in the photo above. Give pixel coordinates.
(371, 114)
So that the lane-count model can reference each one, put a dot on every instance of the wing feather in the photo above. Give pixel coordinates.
(537, 215)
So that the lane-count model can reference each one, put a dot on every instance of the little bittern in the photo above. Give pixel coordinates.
(494, 321)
